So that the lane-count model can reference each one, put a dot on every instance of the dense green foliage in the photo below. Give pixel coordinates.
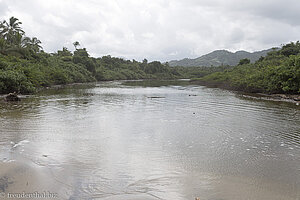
(110, 68)
(25, 76)
(244, 61)
(25, 67)
(278, 72)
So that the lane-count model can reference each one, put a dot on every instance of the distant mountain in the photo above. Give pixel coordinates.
(220, 57)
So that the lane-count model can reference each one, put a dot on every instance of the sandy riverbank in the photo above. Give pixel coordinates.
(21, 180)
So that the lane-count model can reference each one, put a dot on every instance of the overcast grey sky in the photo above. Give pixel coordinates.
(157, 29)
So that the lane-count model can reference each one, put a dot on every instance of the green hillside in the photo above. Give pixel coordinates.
(278, 72)
(220, 57)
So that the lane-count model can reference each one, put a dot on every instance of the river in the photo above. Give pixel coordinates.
(134, 141)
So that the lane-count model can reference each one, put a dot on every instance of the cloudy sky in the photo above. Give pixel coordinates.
(157, 29)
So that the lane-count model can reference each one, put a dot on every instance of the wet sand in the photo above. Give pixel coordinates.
(21, 177)
(17, 178)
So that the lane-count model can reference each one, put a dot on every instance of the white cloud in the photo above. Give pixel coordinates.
(158, 29)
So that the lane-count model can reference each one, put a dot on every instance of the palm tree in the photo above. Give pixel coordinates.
(31, 44)
(17, 47)
(76, 44)
(25, 42)
(35, 44)
(10, 30)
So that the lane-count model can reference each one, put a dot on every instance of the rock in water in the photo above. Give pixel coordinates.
(297, 98)
(12, 97)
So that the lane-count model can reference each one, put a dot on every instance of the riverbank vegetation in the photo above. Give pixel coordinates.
(278, 72)
(25, 67)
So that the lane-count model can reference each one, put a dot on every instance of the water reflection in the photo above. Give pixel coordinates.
(111, 141)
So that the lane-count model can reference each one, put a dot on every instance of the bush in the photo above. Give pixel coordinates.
(14, 81)
(278, 72)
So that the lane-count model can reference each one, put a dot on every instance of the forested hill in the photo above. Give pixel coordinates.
(278, 72)
(220, 57)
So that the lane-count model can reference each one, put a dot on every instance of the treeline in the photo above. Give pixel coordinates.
(25, 67)
(278, 72)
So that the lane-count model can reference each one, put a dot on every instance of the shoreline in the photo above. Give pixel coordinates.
(291, 98)
(60, 86)
(283, 97)
(270, 97)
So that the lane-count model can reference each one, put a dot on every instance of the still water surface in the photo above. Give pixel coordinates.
(115, 141)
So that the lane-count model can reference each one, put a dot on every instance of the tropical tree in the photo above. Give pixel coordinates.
(14, 47)
(64, 52)
(291, 49)
(76, 44)
(244, 61)
(11, 30)
(32, 44)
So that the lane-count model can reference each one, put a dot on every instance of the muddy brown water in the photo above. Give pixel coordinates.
(172, 141)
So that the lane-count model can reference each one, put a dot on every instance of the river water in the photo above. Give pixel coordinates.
(174, 141)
